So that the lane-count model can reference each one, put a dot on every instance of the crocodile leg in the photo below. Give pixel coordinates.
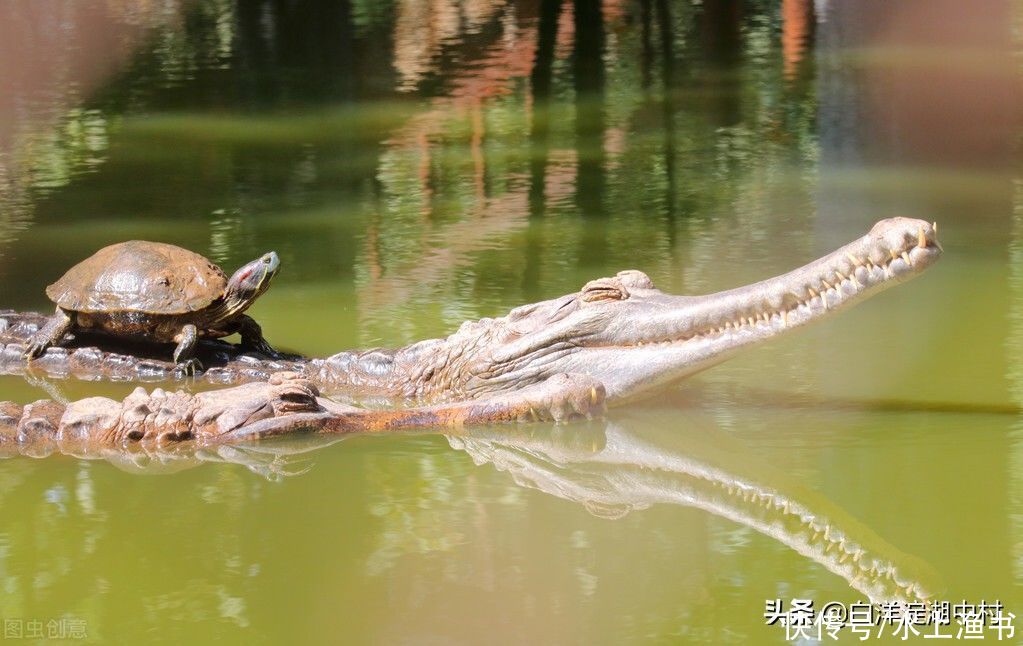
(286, 404)
(561, 397)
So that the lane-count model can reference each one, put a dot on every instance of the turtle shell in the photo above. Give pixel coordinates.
(139, 276)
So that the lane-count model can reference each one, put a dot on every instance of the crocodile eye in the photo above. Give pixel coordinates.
(294, 396)
(604, 289)
(635, 279)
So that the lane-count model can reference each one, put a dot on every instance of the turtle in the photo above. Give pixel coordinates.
(158, 292)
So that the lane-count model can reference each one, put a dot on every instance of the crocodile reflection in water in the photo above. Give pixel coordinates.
(627, 465)
(633, 461)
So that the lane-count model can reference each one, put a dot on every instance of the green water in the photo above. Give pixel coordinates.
(416, 165)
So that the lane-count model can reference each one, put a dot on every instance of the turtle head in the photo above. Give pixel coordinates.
(250, 281)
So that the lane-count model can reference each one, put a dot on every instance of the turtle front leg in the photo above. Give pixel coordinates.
(252, 338)
(50, 334)
(188, 341)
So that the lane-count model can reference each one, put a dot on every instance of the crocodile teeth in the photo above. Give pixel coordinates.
(905, 257)
(854, 260)
(921, 240)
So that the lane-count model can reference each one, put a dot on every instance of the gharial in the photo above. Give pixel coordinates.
(618, 333)
(157, 292)
(617, 339)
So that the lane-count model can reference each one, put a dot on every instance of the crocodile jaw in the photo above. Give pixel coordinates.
(639, 339)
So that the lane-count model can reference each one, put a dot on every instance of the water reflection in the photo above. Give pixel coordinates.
(65, 526)
(630, 466)
(55, 56)
(635, 461)
(798, 24)
(514, 126)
